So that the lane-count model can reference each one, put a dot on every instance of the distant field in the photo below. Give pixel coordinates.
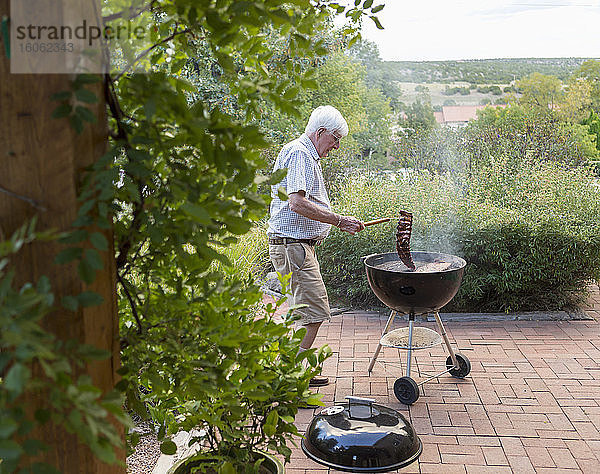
(436, 93)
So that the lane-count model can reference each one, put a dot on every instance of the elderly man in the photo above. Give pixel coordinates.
(298, 225)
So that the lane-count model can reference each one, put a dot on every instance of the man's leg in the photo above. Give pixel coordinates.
(307, 288)
(309, 338)
(311, 333)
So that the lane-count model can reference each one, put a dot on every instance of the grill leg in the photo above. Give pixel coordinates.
(411, 322)
(446, 340)
(385, 330)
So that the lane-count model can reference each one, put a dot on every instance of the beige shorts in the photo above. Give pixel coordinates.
(306, 283)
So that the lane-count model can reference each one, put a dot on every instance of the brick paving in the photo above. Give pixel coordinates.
(531, 403)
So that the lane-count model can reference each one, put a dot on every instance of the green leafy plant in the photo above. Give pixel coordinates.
(530, 236)
(244, 393)
(518, 134)
(32, 360)
(197, 350)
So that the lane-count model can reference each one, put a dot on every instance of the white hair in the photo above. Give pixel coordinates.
(327, 117)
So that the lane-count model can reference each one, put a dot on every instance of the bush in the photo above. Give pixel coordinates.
(531, 237)
(530, 234)
(457, 90)
(439, 150)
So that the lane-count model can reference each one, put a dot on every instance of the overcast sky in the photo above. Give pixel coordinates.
(429, 30)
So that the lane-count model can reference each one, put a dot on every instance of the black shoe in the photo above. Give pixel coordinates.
(318, 381)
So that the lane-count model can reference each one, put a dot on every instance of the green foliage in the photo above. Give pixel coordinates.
(73, 103)
(519, 134)
(248, 256)
(339, 81)
(458, 90)
(576, 101)
(341, 84)
(178, 185)
(590, 72)
(530, 234)
(593, 124)
(439, 149)
(418, 117)
(33, 361)
(493, 89)
(231, 370)
(377, 78)
(430, 197)
(198, 349)
(531, 237)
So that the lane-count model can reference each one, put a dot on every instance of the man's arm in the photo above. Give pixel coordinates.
(302, 206)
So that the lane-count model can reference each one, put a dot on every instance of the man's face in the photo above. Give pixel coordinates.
(327, 141)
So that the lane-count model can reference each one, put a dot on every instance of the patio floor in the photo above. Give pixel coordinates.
(530, 404)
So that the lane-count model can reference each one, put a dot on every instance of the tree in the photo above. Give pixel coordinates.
(419, 116)
(590, 71)
(375, 135)
(54, 408)
(540, 91)
(576, 101)
(593, 124)
(378, 76)
(519, 134)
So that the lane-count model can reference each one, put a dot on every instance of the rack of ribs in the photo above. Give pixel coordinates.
(403, 231)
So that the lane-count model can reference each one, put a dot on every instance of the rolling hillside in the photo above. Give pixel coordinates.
(483, 71)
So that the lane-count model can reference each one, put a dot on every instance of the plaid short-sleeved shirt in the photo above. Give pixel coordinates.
(301, 159)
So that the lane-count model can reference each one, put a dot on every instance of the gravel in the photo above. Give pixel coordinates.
(147, 451)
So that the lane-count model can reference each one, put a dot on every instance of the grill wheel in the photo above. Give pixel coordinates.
(406, 390)
(463, 363)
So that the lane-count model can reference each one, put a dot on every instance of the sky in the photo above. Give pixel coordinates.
(438, 30)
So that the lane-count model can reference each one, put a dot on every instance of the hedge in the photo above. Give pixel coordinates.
(530, 234)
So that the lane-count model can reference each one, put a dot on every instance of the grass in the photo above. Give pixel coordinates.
(249, 256)
(436, 92)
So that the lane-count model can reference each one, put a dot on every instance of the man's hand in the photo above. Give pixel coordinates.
(300, 205)
(351, 224)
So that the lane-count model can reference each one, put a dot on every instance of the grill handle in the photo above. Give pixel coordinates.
(359, 400)
(359, 413)
(364, 258)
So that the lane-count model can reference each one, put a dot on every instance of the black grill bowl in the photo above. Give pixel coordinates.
(414, 292)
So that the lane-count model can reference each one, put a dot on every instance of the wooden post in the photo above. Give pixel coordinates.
(42, 160)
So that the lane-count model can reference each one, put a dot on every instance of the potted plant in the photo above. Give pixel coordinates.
(240, 379)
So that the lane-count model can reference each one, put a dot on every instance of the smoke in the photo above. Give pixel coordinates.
(438, 190)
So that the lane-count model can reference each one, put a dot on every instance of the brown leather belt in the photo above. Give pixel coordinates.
(287, 240)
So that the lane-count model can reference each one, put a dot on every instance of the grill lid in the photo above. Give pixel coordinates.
(361, 436)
